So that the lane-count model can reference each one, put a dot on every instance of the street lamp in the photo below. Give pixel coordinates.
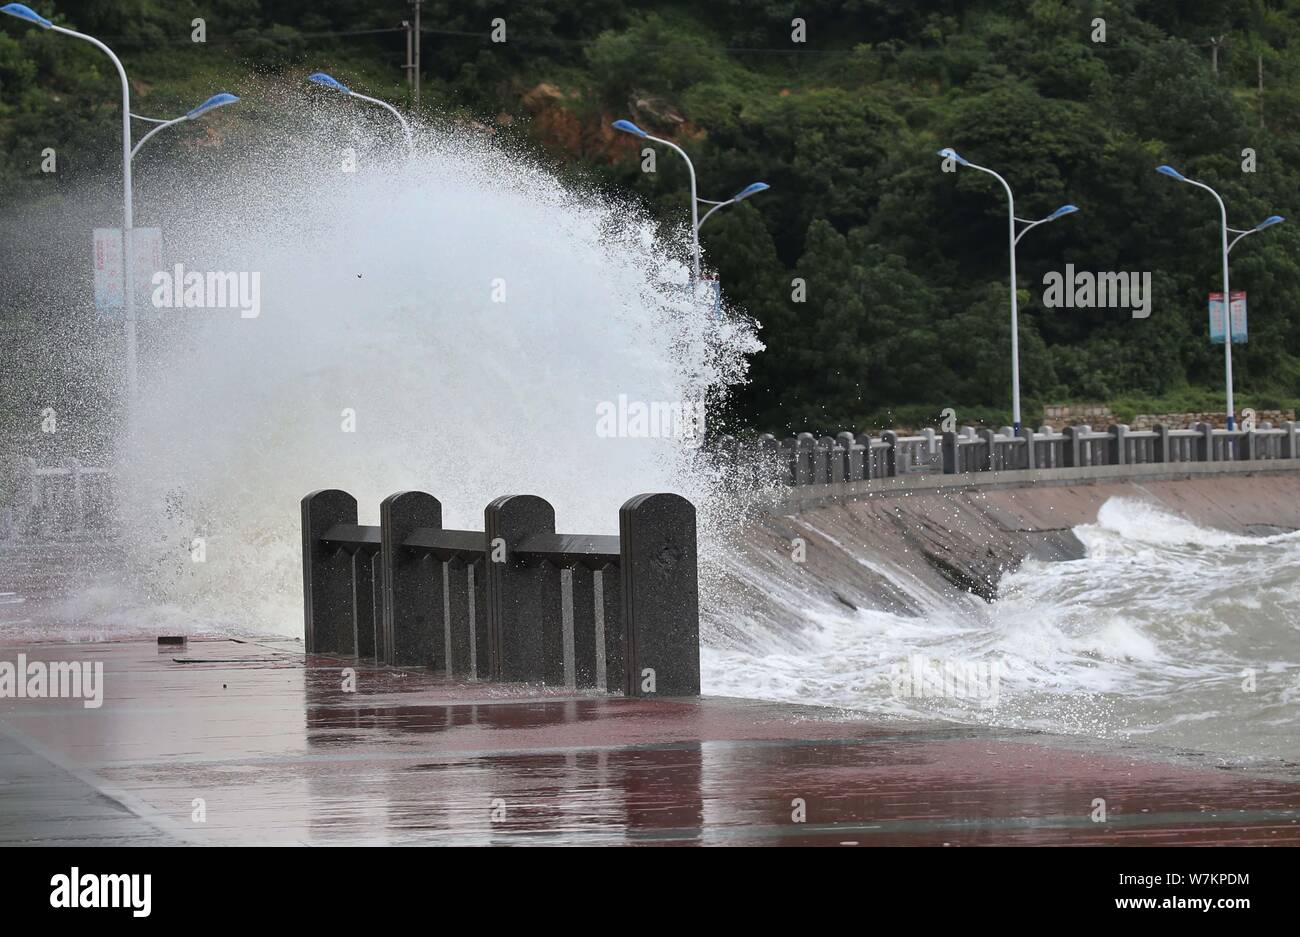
(1013, 238)
(752, 189)
(217, 100)
(1227, 296)
(626, 126)
(26, 13)
(334, 84)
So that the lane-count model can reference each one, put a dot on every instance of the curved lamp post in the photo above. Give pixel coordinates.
(326, 81)
(217, 100)
(1013, 238)
(626, 126)
(752, 189)
(1268, 222)
(26, 13)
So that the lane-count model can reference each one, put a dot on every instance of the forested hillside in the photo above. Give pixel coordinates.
(904, 265)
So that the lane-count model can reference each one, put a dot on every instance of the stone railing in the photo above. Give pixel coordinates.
(512, 602)
(58, 502)
(809, 460)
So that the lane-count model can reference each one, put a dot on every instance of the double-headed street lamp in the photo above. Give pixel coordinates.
(128, 215)
(26, 13)
(626, 126)
(1013, 238)
(1227, 296)
(217, 100)
(326, 81)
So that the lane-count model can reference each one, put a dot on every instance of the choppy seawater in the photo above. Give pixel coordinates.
(1165, 632)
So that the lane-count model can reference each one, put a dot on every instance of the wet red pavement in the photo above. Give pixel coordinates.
(272, 749)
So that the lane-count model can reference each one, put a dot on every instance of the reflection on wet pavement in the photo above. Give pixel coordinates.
(276, 750)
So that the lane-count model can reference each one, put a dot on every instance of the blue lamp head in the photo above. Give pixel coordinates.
(322, 79)
(949, 153)
(217, 100)
(1171, 172)
(1269, 222)
(26, 13)
(752, 189)
(628, 127)
(1063, 210)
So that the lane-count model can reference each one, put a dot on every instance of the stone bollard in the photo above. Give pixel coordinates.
(661, 615)
(525, 612)
(988, 463)
(1161, 445)
(803, 452)
(891, 454)
(1070, 454)
(950, 461)
(1118, 444)
(326, 572)
(412, 585)
(1031, 457)
(851, 455)
(1205, 444)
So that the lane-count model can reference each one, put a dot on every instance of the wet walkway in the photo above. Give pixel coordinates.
(227, 742)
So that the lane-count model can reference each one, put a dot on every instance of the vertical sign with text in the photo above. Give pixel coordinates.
(110, 293)
(1238, 317)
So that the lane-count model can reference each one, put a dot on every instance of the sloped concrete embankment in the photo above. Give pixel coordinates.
(905, 551)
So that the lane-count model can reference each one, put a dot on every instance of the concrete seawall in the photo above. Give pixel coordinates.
(884, 548)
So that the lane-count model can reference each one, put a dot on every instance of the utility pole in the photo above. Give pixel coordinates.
(410, 62)
(417, 53)
(1215, 42)
(1259, 65)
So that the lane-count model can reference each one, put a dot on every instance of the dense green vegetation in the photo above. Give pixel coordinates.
(904, 265)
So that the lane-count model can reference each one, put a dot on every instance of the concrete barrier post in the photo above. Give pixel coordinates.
(891, 454)
(990, 450)
(852, 456)
(413, 621)
(1031, 456)
(789, 449)
(1118, 444)
(824, 456)
(769, 461)
(1289, 448)
(326, 572)
(950, 461)
(1161, 445)
(661, 614)
(803, 472)
(1007, 449)
(525, 611)
(1070, 451)
(1205, 443)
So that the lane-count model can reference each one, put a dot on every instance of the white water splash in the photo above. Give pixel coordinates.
(1151, 634)
(465, 311)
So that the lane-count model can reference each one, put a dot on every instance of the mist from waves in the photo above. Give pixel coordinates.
(449, 323)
